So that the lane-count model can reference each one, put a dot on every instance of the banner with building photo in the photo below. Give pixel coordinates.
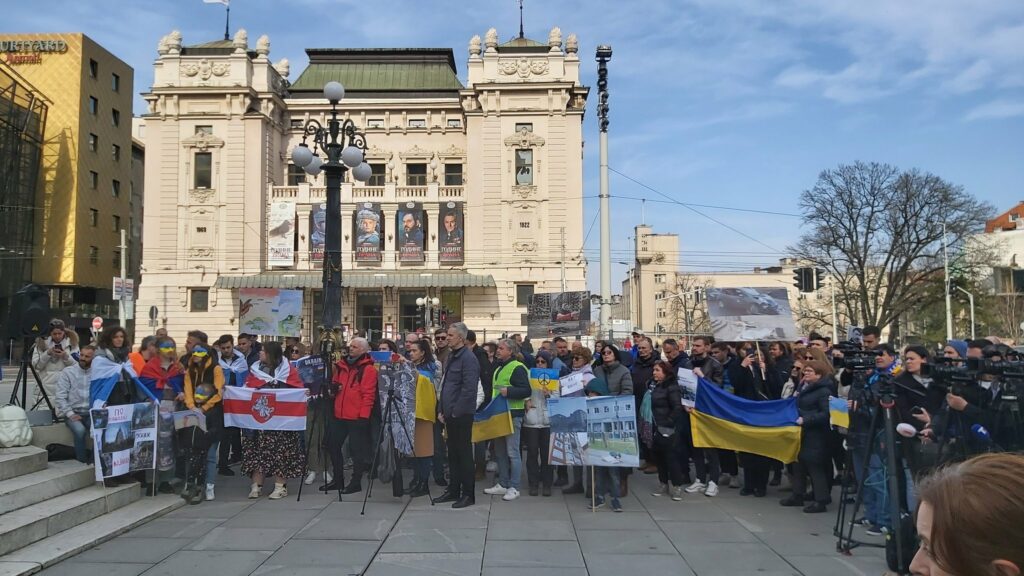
(281, 234)
(317, 233)
(367, 235)
(757, 314)
(451, 233)
(612, 432)
(270, 311)
(558, 314)
(410, 232)
(124, 439)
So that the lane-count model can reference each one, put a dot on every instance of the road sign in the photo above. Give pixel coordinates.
(130, 291)
(97, 323)
(154, 312)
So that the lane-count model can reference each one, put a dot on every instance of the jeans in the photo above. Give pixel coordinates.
(876, 492)
(609, 481)
(212, 458)
(80, 431)
(510, 459)
(538, 471)
(703, 460)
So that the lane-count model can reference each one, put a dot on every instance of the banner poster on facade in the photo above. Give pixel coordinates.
(367, 236)
(558, 314)
(400, 379)
(124, 439)
(451, 240)
(281, 234)
(739, 314)
(611, 432)
(270, 311)
(410, 232)
(317, 233)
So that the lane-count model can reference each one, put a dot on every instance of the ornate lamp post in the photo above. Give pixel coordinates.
(428, 304)
(344, 146)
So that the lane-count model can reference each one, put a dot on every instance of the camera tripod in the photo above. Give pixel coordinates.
(21, 382)
(322, 404)
(385, 421)
(883, 421)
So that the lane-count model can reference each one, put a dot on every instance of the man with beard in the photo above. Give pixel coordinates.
(72, 400)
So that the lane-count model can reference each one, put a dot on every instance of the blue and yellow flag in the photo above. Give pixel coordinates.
(544, 379)
(723, 420)
(838, 412)
(494, 421)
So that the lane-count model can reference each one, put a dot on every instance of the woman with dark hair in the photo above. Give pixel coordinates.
(423, 360)
(537, 434)
(667, 407)
(204, 384)
(812, 403)
(272, 452)
(114, 346)
(971, 518)
(53, 354)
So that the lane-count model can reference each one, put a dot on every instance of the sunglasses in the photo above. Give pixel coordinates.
(440, 337)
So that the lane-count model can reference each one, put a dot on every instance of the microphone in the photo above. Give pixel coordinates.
(906, 430)
(981, 433)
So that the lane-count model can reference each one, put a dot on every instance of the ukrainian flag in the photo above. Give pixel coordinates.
(494, 421)
(838, 412)
(544, 379)
(723, 420)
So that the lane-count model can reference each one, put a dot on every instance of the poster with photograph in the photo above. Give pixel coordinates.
(270, 311)
(311, 372)
(317, 234)
(281, 234)
(739, 314)
(399, 378)
(367, 235)
(688, 386)
(410, 232)
(558, 314)
(568, 431)
(612, 432)
(124, 439)
(450, 240)
(189, 418)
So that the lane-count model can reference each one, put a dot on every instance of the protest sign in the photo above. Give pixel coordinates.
(311, 372)
(188, 418)
(688, 386)
(558, 313)
(571, 385)
(544, 379)
(739, 314)
(568, 431)
(270, 311)
(611, 432)
(124, 439)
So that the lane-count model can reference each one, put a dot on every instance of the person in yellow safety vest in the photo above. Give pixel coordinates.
(511, 380)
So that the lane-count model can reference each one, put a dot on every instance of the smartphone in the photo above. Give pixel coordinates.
(917, 410)
(58, 347)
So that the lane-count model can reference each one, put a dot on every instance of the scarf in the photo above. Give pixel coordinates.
(284, 374)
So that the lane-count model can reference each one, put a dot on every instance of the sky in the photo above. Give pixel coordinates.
(724, 103)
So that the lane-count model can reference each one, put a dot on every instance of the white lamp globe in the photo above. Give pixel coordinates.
(351, 156)
(302, 155)
(435, 301)
(334, 91)
(420, 301)
(313, 168)
(362, 172)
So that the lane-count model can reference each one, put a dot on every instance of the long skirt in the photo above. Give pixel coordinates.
(275, 453)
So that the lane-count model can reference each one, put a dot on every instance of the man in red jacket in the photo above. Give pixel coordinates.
(355, 384)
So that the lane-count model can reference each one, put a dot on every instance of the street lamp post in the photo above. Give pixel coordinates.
(344, 146)
(970, 298)
(428, 304)
(604, 54)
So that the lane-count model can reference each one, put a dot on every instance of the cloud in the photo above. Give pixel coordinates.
(995, 110)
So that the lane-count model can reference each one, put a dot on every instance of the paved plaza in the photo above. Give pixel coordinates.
(727, 535)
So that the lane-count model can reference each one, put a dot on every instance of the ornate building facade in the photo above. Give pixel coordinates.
(476, 185)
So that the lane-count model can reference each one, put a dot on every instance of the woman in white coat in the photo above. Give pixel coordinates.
(53, 354)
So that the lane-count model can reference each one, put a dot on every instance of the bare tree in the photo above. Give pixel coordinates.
(879, 231)
(687, 313)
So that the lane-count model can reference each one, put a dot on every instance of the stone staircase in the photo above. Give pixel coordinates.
(50, 511)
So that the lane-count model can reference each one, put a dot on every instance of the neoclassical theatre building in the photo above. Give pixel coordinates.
(476, 184)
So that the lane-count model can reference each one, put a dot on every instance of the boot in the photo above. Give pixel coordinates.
(562, 476)
(776, 477)
(353, 486)
(418, 489)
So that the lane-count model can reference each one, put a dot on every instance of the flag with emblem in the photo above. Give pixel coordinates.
(265, 408)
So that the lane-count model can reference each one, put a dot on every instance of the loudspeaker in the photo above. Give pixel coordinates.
(30, 311)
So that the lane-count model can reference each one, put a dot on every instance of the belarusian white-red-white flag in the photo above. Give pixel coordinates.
(224, 2)
(265, 409)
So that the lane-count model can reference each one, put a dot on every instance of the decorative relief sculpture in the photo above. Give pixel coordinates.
(555, 37)
(524, 67)
(491, 39)
(204, 69)
(572, 45)
(241, 41)
(263, 45)
(524, 139)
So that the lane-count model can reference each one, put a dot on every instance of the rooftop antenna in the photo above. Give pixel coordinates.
(521, 34)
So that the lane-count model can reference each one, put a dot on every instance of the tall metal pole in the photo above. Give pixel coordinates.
(562, 232)
(334, 172)
(604, 54)
(122, 311)
(945, 267)
(835, 311)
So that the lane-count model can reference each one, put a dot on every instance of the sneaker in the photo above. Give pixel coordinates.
(724, 479)
(598, 503)
(697, 486)
(496, 490)
(328, 476)
(616, 505)
(310, 478)
(677, 493)
(280, 491)
(872, 530)
(209, 492)
(735, 482)
(254, 491)
(712, 490)
(492, 466)
(661, 491)
(510, 494)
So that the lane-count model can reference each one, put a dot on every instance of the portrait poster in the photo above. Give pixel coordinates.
(739, 314)
(558, 314)
(124, 439)
(400, 378)
(568, 431)
(270, 311)
(317, 234)
(451, 236)
(281, 234)
(410, 232)
(612, 432)
(367, 234)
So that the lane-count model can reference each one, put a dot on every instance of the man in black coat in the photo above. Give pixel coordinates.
(458, 404)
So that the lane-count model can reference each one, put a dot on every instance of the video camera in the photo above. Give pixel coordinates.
(854, 357)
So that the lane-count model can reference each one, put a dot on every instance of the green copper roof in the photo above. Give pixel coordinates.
(521, 42)
(380, 70)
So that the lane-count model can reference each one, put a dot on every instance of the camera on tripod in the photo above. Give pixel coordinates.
(855, 357)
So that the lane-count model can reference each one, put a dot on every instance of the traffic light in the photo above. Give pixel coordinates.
(819, 278)
(803, 279)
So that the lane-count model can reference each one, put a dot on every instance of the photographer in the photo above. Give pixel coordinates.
(53, 354)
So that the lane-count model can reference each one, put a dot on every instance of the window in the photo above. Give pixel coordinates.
(453, 174)
(116, 222)
(296, 175)
(520, 126)
(374, 122)
(416, 174)
(523, 294)
(451, 306)
(203, 177)
(115, 117)
(94, 179)
(94, 105)
(199, 299)
(659, 278)
(295, 123)
(524, 167)
(115, 188)
(204, 129)
(94, 142)
(115, 82)
(417, 123)
(410, 316)
(377, 175)
(117, 259)
(370, 314)
(94, 255)
(94, 68)
(94, 217)
(455, 122)
(662, 313)
(116, 151)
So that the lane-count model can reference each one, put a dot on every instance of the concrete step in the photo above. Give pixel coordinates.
(44, 519)
(53, 549)
(56, 480)
(22, 460)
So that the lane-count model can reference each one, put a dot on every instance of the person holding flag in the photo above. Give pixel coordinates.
(163, 375)
(272, 452)
(204, 384)
(236, 370)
